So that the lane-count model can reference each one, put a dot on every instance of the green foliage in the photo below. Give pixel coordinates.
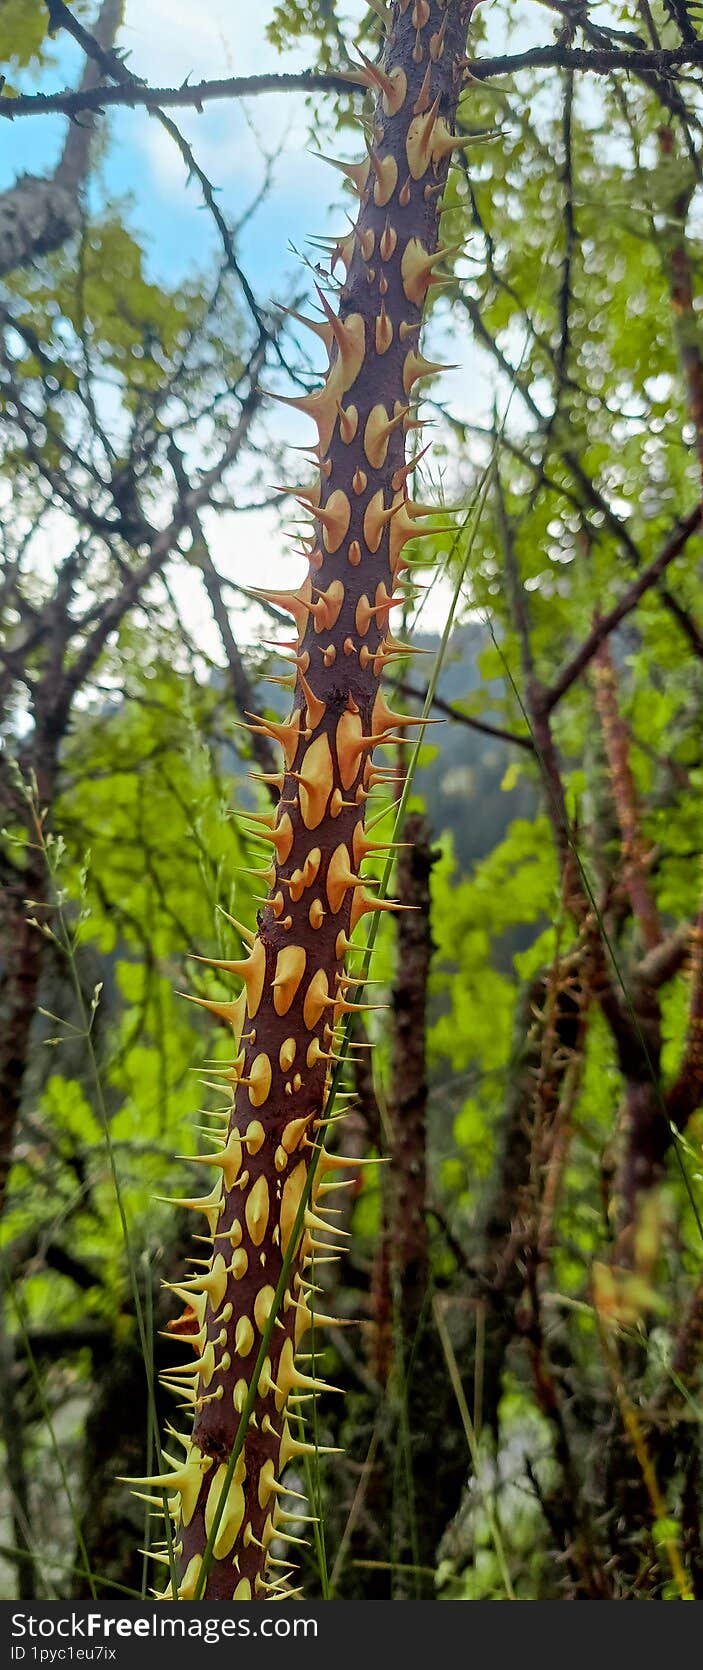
(325, 27)
(596, 461)
(24, 34)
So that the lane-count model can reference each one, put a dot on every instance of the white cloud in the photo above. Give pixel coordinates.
(249, 549)
(252, 549)
(169, 39)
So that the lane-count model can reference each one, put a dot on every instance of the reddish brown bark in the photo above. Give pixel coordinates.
(296, 990)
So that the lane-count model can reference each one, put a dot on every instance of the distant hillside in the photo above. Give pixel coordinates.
(462, 785)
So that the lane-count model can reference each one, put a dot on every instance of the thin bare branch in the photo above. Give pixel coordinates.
(194, 96)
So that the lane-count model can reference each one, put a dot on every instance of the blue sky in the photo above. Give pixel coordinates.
(168, 40)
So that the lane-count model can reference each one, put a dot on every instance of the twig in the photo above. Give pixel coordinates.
(460, 718)
(197, 94)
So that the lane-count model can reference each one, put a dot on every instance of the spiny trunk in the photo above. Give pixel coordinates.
(13, 1431)
(548, 1038)
(23, 897)
(23, 949)
(422, 1503)
(408, 1112)
(295, 987)
(414, 1483)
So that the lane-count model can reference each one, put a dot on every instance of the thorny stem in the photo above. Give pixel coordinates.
(195, 95)
(267, 1209)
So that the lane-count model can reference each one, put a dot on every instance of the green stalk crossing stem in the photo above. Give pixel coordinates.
(264, 1231)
